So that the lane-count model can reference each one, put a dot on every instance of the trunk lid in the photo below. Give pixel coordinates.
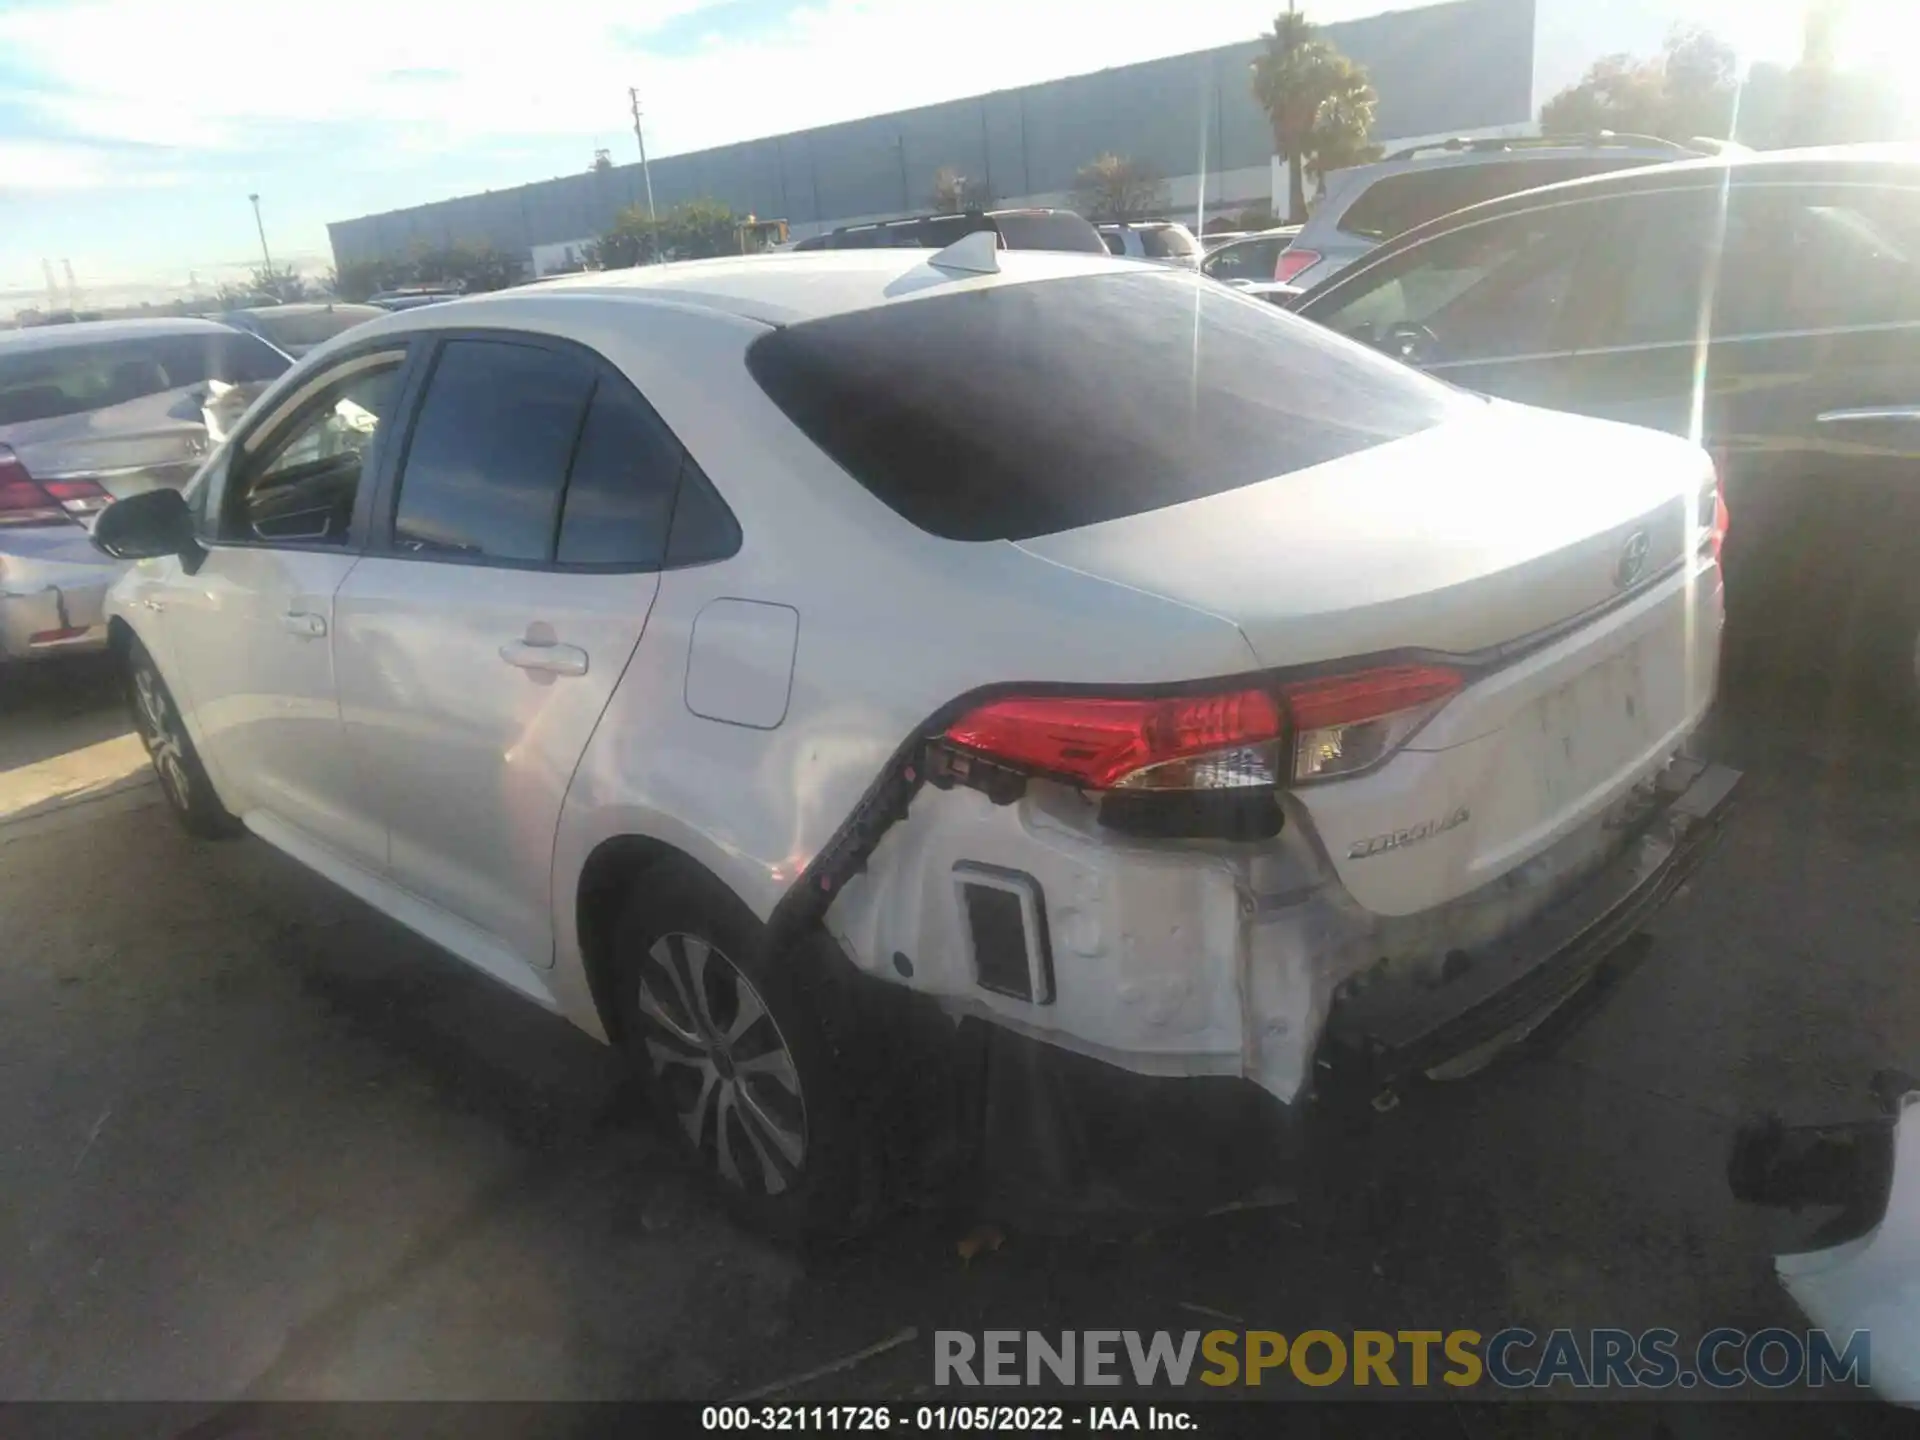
(1463, 537)
(144, 444)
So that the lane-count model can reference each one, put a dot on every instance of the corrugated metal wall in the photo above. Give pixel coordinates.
(1464, 65)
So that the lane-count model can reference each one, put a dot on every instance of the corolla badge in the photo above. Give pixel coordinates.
(1412, 835)
(1633, 559)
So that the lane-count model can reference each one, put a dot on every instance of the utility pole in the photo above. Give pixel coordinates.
(633, 99)
(260, 225)
(73, 287)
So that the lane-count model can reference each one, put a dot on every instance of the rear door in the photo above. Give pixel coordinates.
(516, 559)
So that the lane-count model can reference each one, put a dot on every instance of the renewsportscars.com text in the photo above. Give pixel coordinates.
(1512, 1358)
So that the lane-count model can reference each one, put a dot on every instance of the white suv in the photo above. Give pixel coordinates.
(726, 654)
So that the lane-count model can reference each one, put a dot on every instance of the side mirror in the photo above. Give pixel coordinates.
(142, 527)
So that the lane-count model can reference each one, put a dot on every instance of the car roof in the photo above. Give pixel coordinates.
(1873, 164)
(304, 307)
(1843, 164)
(94, 332)
(776, 289)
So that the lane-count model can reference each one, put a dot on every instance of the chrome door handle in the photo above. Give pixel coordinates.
(305, 624)
(548, 659)
(1869, 412)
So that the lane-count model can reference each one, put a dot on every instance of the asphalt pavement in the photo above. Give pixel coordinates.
(260, 1142)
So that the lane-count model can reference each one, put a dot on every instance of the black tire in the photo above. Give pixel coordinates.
(739, 1058)
(183, 779)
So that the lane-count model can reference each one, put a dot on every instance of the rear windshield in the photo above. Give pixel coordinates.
(73, 379)
(1166, 243)
(1048, 230)
(1024, 409)
(311, 327)
(1396, 203)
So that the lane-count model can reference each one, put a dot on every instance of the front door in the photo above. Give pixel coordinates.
(1494, 306)
(513, 569)
(250, 631)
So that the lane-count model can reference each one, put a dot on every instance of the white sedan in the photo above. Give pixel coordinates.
(758, 661)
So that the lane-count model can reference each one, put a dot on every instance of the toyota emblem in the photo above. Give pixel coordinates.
(1633, 559)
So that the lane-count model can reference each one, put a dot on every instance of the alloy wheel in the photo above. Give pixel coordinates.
(161, 732)
(723, 1065)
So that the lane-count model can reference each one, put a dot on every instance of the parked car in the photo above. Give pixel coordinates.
(1162, 240)
(1017, 229)
(1767, 304)
(89, 412)
(1363, 205)
(298, 328)
(1250, 259)
(396, 300)
(778, 664)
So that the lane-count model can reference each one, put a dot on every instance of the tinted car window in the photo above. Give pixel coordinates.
(1048, 230)
(301, 485)
(703, 528)
(1025, 409)
(1833, 257)
(1245, 259)
(1498, 288)
(619, 499)
(43, 384)
(1115, 242)
(1396, 203)
(488, 458)
(1166, 243)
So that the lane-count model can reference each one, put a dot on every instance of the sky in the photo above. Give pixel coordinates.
(133, 131)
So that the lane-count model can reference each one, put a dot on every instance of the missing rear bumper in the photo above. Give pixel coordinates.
(1381, 1033)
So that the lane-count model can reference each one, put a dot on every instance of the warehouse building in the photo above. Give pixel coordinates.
(1461, 67)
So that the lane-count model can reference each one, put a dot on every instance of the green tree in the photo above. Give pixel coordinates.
(474, 269)
(692, 231)
(265, 286)
(1685, 94)
(1116, 188)
(1319, 103)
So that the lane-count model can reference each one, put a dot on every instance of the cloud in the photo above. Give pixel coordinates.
(224, 75)
(30, 166)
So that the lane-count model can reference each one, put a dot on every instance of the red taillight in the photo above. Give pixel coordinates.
(1715, 523)
(78, 497)
(1293, 260)
(1345, 723)
(1102, 743)
(22, 502)
(1337, 724)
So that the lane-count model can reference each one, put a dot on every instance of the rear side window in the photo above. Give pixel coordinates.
(619, 499)
(490, 448)
(1024, 409)
(1397, 203)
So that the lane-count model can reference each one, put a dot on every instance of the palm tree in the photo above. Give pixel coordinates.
(1318, 100)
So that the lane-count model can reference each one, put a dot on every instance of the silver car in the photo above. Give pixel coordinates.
(1166, 241)
(1363, 205)
(90, 413)
(298, 328)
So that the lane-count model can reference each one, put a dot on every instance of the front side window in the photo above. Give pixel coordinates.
(1497, 289)
(299, 483)
(488, 458)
